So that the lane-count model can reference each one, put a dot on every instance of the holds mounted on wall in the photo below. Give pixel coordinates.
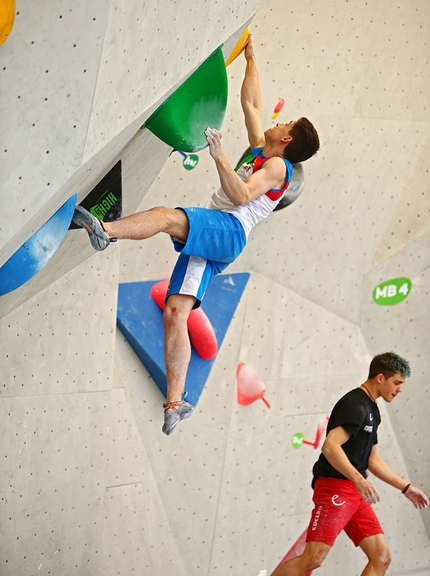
(201, 101)
(36, 252)
(250, 387)
(294, 189)
(298, 439)
(278, 107)
(7, 18)
(202, 334)
(240, 46)
(141, 322)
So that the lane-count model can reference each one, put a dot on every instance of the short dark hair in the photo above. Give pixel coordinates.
(389, 364)
(305, 142)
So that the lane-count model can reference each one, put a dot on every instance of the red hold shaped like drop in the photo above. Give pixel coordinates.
(200, 329)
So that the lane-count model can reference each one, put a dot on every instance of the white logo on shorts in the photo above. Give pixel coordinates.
(317, 517)
(334, 498)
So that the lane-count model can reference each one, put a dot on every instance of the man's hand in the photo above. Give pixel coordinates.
(214, 140)
(250, 48)
(368, 491)
(417, 497)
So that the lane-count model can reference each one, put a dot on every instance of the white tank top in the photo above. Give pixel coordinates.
(254, 211)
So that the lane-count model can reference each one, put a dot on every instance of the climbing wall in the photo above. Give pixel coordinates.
(90, 485)
(78, 63)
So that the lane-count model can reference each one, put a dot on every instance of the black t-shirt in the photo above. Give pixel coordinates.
(360, 416)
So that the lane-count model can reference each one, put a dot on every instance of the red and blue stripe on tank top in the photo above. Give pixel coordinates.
(256, 159)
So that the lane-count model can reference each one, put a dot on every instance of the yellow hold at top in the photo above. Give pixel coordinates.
(238, 48)
(7, 18)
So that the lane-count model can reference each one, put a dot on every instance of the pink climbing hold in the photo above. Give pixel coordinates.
(158, 293)
(322, 427)
(250, 387)
(200, 329)
(202, 334)
(278, 107)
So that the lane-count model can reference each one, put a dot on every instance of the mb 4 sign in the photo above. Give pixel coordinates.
(392, 291)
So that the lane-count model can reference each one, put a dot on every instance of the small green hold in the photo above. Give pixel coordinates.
(297, 440)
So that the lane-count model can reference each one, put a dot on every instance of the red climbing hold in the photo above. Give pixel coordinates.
(250, 387)
(278, 107)
(200, 329)
(322, 426)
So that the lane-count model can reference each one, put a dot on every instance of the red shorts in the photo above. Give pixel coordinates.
(339, 506)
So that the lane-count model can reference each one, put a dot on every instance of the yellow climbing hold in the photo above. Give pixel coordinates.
(7, 17)
(239, 47)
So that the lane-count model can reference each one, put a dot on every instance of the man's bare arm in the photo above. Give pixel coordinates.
(271, 174)
(333, 451)
(381, 470)
(251, 97)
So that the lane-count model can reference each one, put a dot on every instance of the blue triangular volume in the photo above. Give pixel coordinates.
(141, 322)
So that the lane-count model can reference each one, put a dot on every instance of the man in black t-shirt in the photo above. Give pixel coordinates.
(357, 413)
(343, 496)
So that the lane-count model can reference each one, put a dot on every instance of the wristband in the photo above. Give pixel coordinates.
(405, 489)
